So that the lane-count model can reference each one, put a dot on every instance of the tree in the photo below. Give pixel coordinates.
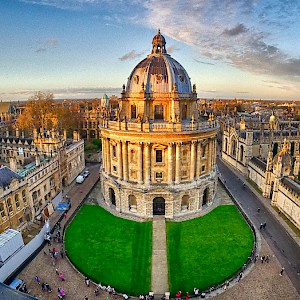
(41, 111)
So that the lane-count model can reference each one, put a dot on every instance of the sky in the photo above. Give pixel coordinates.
(243, 49)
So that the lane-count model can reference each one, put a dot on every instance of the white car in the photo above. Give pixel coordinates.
(80, 179)
(86, 173)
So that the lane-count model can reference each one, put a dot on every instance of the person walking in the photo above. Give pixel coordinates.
(62, 277)
(281, 272)
(87, 281)
(37, 279)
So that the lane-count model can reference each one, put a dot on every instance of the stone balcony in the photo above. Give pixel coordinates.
(159, 126)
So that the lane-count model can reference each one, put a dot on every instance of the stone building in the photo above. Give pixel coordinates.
(269, 154)
(158, 152)
(40, 167)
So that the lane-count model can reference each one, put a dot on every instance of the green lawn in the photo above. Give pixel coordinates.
(207, 250)
(111, 250)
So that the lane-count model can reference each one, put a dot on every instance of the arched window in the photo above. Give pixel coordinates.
(203, 150)
(242, 153)
(9, 205)
(226, 146)
(292, 148)
(2, 211)
(275, 149)
(233, 147)
(17, 201)
(24, 196)
(185, 203)
(205, 197)
(112, 196)
(132, 203)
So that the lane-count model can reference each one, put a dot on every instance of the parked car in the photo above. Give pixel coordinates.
(86, 173)
(80, 179)
(18, 284)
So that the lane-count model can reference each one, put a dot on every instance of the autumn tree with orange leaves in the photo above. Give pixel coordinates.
(41, 111)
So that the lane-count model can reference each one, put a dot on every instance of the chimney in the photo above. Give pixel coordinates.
(13, 163)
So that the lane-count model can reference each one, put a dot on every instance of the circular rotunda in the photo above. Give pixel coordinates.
(158, 153)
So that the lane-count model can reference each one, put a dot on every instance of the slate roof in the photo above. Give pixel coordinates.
(262, 165)
(293, 185)
(8, 293)
(7, 176)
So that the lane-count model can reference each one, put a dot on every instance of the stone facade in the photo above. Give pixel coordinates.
(158, 152)
(269, 154)
(43, 165)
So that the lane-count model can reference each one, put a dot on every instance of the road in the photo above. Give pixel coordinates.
(285, 248)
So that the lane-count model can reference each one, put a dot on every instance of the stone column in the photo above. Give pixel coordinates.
(104, 154)
(108, 156)
(170, 163)
(198, 165)
(125, 160)
(178, 163)
(140, 164)
(147, 163)
(192, 162)
(119, 157)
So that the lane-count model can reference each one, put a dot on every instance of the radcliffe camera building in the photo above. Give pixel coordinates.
(158, 151)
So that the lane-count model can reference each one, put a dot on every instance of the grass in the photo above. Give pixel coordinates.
(111, 250)
(206, 251)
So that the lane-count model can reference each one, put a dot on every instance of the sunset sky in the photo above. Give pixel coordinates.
(83, 48)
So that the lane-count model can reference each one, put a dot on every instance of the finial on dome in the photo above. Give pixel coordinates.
(159, 44)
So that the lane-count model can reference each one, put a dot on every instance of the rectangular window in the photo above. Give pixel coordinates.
(158, 112)
(114, 151)
(158, 156)
(21, 220)
(158, 175)
(9, 205)
(203, 168)
(115, 168)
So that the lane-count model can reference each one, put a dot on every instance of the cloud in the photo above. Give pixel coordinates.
(203, 62)
(239, 33)
(46, 45)
(171, 49)
(238, 29)
(52, 42)
(131, 55)
(40, 50)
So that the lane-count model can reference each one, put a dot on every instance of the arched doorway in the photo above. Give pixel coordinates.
(112, 196)
(159, 206)
(205, 197)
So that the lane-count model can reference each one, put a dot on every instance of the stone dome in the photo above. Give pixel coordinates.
(159, 72)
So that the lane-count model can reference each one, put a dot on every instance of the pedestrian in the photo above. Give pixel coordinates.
(244, 267)
(255, 258)
(61, 254)
(281, 272)
(37, 279)
(267, 259)
(43, 286)
(86, 298)
(196, 292)
(258, 209)
(87, 281)
(56, 271)
(262, 259)
(261, 226)
(45, 253)
(62, 277)
(264, 225)
(97, 292)
(240, 276)
(187, 296)
(65, 215)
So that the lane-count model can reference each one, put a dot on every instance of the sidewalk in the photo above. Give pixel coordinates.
(159, 278)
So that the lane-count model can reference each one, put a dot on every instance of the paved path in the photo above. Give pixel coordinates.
(159, 278)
